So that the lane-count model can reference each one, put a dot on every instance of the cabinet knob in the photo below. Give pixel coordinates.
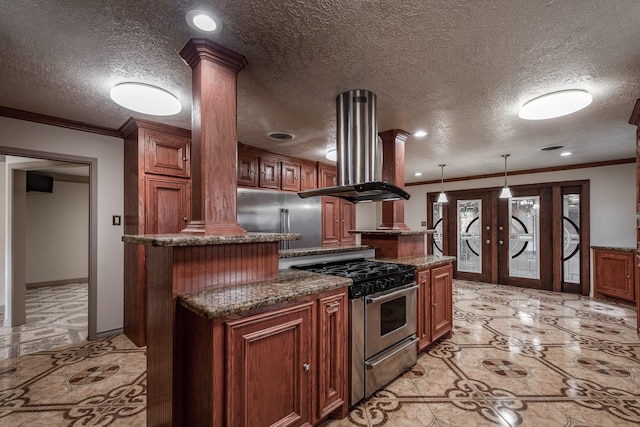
(185, 219)
(488, 242)
(501, 242)
(628, 276)
(295, 178)
(306, 367)
(435, 304)
(184, 159)
(337, 221)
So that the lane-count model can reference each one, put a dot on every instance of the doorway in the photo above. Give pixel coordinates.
(533, 239)
(91, 244)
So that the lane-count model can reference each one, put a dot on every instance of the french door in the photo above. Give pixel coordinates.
(533, 239)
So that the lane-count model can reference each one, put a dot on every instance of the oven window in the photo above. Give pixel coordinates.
(393, 315)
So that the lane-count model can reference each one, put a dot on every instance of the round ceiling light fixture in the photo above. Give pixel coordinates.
(202, 20)
(146, 99)
(332, 155)
(555, 104)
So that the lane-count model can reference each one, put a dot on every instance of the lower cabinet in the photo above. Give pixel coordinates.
(435, 304)
(285, 366)
(613, 274)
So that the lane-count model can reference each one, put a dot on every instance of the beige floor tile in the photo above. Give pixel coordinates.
(390, 413)
(358, 416)
(466, 414)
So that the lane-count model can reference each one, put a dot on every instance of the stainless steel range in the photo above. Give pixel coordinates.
(383, 321)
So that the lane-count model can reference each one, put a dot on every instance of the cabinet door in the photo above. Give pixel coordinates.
(270, 368)
(247, 169)
(331, 221)
(328, 176)
(332, 353)
(308, 177)
(441, 301)
(614, 274)
(168, 205)
(167, 155)
(269, 173)
(347, 221)
(424, 311)
(290, 176)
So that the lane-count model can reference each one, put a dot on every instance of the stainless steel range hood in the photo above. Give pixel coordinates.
(359, 153)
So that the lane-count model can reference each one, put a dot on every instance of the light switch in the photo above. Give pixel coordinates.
(116, 220)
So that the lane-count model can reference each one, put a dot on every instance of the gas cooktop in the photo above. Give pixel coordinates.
(368, 277)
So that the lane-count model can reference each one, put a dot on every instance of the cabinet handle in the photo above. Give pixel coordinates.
(306, 366)
(184, 159)
(333, 304)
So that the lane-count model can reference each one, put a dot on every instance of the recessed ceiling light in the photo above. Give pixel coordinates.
(145, 99)
(418, 173)
(204, 21)
(420, 133)
(566, 153)
(332, 155)
(555, 104)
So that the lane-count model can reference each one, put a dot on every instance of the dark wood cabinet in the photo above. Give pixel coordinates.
(283, 365)
(441, 301)
(290, 176)
(269, 368)
(328, 176)
(157, 199)
(166, 154)
(423, 279)
(269, 172)
(435, 304)
(247, 169)
(309, 176)
(614, 274)
(338, 217)
(167, 206)
(332, 388)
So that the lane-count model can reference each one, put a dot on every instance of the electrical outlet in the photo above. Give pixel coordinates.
(423, 223)
(116, 220)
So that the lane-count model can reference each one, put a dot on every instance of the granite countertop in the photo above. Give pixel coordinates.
(292, 253)
(197, 240)
(290, 284)
(392, 232)
(421, 261)
(611, 248)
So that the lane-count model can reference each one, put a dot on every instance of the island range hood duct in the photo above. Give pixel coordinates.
(359, 153)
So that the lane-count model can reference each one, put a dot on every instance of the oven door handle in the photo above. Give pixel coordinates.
(391, 295)
(371, 365)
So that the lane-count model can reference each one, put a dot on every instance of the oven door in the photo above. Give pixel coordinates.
(390, 317)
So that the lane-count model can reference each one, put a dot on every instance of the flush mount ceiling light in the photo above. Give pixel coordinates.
(332, 155)
(506, 192)
(418, 174)
(442, 198)
(202, 20)
(145, 99)
(555, 104)
(420, 133)
(566, 153)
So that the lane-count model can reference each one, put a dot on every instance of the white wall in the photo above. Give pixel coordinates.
(3, 232)
(58, 233)
(110, 200)
(612, 199)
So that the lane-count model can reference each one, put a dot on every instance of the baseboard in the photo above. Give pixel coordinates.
(57, 282)
(111, 333)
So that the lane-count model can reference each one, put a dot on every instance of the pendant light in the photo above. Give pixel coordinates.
(506, 192)
(442, 198)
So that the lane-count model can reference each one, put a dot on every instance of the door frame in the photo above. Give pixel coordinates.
(448, 230)
(92, 246)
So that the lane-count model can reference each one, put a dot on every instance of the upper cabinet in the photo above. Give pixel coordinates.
(328, 175)
(166, 154)
(263, 169)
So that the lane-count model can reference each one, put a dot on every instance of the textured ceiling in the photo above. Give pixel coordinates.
(459, 69)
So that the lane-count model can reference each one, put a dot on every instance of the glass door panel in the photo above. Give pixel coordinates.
(437, 243)
(469, 236)
(571, 255)
(524, 237)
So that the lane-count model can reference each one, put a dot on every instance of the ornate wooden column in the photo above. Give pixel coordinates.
(213, 137)
(393, 172)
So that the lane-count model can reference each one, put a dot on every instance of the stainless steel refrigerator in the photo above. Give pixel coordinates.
(276, 212)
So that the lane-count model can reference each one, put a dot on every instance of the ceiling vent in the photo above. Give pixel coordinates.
(281, 136)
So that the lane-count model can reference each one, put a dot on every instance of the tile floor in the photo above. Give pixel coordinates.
(56, 316)
(517, 357)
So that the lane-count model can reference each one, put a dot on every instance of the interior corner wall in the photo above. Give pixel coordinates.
(57, 243)
(108, 151)
(3, 232)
